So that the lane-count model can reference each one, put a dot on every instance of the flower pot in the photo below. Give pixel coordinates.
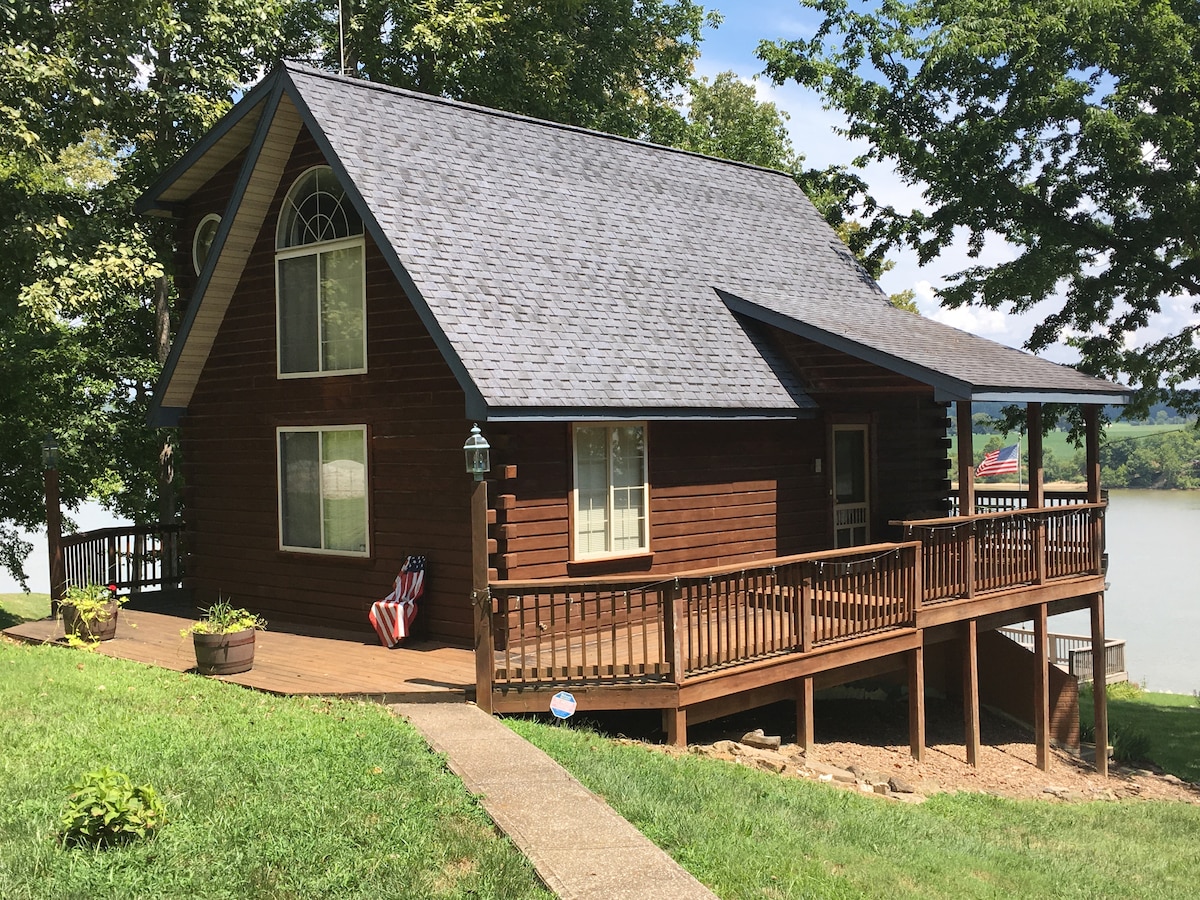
(224, 654)
(101, 628)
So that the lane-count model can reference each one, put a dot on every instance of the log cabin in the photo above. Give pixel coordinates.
(718, 456)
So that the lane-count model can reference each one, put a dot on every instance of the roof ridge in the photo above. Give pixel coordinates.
(306, 69)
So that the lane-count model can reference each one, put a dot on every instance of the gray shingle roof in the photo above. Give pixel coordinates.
(569, 270)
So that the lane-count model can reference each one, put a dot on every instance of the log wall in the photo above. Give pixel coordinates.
(412, 407)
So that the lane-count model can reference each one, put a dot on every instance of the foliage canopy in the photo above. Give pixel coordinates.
(1069, 129)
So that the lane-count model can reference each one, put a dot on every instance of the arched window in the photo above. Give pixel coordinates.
(320, 279)
(202, 241)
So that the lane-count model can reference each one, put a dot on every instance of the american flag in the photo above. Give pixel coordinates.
(393, 615)
(998, 462)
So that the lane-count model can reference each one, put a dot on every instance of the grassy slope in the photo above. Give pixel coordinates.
(1171, 722)
(15, 608)
(267, 796)
(750, 834)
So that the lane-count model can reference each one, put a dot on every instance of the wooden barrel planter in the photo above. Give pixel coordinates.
(102, 628)
(224, 654)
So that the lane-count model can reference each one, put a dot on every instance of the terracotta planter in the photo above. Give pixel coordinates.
(224, 654)
(100, 629)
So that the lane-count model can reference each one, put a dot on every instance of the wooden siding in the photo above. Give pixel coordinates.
(413, 410)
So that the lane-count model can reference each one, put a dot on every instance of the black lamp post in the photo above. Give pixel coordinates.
(478, 461)
(53, 522)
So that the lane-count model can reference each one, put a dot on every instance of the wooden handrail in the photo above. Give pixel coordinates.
(1004, 513)
(82, 537)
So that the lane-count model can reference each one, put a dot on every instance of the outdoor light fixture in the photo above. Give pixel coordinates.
(50, 452)
(476, 449)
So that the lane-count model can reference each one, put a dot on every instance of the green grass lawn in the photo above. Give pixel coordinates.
(1170, 723)
(751, 834)
(17, 608)
(266, 796)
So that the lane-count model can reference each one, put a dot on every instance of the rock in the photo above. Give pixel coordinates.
(900, 786)
(1172, 779)
(756, 738)
(834, 773)
(726, 746)
(770, 765)
(882, 788)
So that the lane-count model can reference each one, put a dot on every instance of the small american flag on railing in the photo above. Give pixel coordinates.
(1000, 462)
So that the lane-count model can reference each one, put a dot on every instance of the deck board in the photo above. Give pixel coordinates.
(321, 662)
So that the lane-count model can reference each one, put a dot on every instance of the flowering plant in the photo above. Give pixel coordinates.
(93, 602)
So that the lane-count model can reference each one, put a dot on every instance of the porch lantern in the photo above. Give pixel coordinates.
(50, 452)
(476, 450)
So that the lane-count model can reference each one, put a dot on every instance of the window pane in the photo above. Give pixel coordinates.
(850, 466)
(298, 314)
(629, 493)
(591, 483)
(344, 490)
(300, 488)
(342, 309)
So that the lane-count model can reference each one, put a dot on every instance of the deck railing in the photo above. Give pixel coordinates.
(132, 558)
(1073, 652)
(966, 555)
(989, 500)
(626, 628)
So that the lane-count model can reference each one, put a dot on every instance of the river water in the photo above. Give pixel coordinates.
(1153, 598)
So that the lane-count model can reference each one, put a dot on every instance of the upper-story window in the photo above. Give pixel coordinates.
(320, 280)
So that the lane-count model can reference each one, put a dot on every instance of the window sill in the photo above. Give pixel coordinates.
(612, 565)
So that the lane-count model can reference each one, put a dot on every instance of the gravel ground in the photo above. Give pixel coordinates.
(871, 738)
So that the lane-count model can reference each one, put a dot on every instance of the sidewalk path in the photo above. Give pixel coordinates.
(581, 849)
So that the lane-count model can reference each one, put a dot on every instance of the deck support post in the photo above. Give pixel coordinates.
(1041, 688)
(971, 690)
(1037, 472)
(481, 600)
(916, 702)
(675, 725)
(1100, 684)
(804, 714)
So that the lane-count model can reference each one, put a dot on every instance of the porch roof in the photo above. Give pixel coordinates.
(566, 273)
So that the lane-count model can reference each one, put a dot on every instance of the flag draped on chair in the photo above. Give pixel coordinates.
(392, 616)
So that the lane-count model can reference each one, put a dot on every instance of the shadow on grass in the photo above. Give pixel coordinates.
(1173, 731)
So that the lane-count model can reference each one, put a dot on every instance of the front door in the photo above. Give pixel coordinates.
(851, 498)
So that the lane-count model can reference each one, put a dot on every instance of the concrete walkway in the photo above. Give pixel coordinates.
(581, 849)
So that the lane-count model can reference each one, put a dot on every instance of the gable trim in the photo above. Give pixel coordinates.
(167, 394)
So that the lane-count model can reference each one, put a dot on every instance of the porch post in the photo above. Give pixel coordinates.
(485, 654)
(971, 690)
(1037, 487)
(1041, 688)
(916, 702)
(1091, 420)
(1100, 684)
(804, 713)
(966, 459)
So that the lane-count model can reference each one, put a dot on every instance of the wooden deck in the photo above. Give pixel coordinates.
(318, 662)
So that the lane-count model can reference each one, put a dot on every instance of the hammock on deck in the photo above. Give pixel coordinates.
(392, 616)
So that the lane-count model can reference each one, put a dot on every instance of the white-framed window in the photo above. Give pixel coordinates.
(611, 499)
(202, 240)
(323, 489)
(320, 280)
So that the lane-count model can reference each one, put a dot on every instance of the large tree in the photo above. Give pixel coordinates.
(616, 65)
(95, 98)
(1069, 129)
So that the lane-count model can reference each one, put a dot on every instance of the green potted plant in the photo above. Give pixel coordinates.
(224, 639)
(90, 612)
